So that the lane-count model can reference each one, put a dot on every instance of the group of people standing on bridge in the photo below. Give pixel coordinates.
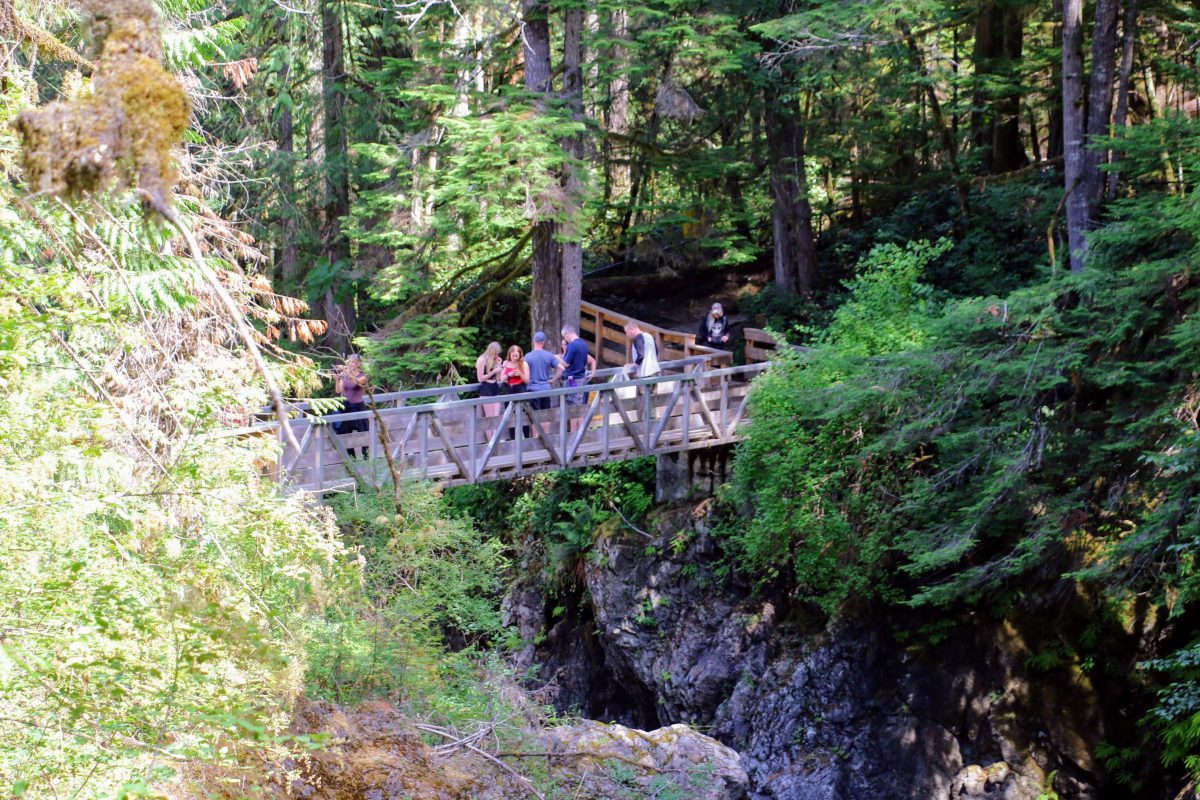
(539, 369)
(518, 372)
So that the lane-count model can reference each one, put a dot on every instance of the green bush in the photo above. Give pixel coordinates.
(561, 512)
(427, 578)
(888, 309)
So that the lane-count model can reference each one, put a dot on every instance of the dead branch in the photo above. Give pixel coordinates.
(480, 751)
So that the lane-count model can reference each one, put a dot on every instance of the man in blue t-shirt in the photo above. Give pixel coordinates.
(543, 370)
(577, 364)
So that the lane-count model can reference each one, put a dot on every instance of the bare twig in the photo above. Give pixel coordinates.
(480, 751)
(625, 519)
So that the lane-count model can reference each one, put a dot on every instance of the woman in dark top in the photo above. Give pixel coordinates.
(487, 372)
(352, 387)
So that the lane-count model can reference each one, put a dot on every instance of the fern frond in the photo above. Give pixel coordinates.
(198, 47)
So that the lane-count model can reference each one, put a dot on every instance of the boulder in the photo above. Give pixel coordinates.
(616, 761)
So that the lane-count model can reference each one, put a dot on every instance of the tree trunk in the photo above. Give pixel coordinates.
(791, 215)
(288, 265)
(996, 118)
(1008, 151)
(1073, 132)
(1104, 50)
(1034, 135)
(1054, 129)
(1121, 116)
(572, 244)
(545, 305)
(946, 135)
(618, 106)
(335, 247)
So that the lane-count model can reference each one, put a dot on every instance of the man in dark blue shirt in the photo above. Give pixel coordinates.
(575, 361)
(578, 366)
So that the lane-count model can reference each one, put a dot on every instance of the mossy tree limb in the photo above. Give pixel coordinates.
(48, 45)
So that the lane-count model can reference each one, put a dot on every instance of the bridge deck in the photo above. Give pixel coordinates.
(429, 435)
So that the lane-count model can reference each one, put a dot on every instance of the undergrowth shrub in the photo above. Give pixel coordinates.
(1044, 440)
(421, 609)
(560, 513)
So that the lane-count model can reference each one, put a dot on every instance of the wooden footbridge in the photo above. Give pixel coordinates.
(446, 433)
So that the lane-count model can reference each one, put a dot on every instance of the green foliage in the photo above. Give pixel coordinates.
(426, 578)
(156, 587)
(888, 309)
(796, 477)
(1048, 792)
(564, 511)
(421, 351)
(1046, 437)
(1176, 719)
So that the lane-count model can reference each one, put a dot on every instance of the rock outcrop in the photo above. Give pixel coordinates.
(373, 752)
(649, 763)
(823, 709)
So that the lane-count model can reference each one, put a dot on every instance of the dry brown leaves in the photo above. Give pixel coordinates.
(240, 73)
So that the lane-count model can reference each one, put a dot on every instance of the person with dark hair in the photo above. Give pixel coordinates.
(577, 365)
(714, 328)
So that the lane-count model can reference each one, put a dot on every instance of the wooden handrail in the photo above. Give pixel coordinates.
(760, 345)
(748, 371)
(390, 398)
(593, 319)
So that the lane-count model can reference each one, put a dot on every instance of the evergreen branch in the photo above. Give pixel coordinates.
(499, 284)
(447, 284)
(232, 311)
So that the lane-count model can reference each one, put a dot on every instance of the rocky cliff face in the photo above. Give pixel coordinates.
(819, 709)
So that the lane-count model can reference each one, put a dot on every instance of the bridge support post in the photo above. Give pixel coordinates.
(691, 474)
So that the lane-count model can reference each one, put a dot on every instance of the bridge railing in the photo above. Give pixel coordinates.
(761, 346)
(604, 331)
(458, 391)
(455, 442)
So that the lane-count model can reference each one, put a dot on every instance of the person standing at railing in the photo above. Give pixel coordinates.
(487, 372)
(645, 351)
(543, 370)
(514, 379)
(577, 365)
(714, 328)
(352, 387)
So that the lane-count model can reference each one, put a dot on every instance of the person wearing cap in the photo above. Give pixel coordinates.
(544, 368)
(714, 328)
